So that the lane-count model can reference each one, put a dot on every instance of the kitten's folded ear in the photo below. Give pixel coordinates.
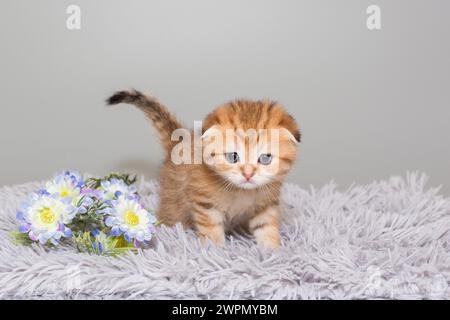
(294, 137)
(288, 123)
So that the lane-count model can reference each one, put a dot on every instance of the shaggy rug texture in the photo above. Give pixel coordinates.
(389, 239)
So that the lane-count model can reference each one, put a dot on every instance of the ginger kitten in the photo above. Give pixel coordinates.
(240, 182)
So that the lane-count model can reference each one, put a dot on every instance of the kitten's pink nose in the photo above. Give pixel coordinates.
(248, 171)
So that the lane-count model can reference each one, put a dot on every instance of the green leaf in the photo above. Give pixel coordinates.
(95, 183)
(21, 238)
(102, 244)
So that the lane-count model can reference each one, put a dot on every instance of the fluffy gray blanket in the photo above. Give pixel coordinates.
(389, 239)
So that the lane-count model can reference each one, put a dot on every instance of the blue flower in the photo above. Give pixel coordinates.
(100, 243)
(83, 202)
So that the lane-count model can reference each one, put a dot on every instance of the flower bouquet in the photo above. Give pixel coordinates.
(102, 216)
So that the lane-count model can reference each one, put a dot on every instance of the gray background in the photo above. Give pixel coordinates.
(370, 103)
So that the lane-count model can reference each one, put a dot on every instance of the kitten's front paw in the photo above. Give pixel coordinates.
(269, 241)
(266, 228)
(217, 237)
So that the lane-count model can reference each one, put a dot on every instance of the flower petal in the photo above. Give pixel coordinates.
(127, 237)
(110, 221)
(20, 215)
(115, 231)
(67, 233)
(24, 227)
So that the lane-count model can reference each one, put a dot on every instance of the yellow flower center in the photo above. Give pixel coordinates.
(47, 215)
(65, 193)
(131, 218)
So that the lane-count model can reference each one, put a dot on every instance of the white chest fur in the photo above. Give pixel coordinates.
(237, 206)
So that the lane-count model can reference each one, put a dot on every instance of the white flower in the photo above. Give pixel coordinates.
(115, 188)
(67, 184)
(44, 218)
(129, 218)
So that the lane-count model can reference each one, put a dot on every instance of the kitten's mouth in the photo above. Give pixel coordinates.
(248, 184)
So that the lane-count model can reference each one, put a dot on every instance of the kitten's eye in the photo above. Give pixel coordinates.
(265, 159)
(232, 157)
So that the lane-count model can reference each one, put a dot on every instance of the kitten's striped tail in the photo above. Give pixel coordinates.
(163, 121)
